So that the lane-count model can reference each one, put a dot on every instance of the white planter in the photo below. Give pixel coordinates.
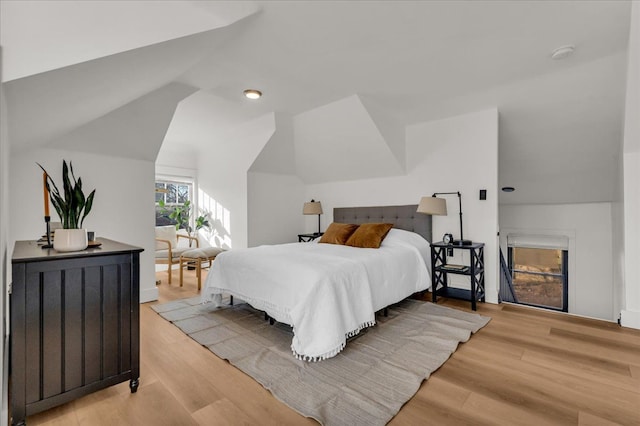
(70, 239)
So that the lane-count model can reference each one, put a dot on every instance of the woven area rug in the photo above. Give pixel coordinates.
(366, 384)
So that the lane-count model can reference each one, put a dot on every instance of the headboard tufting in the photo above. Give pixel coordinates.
(402, 217)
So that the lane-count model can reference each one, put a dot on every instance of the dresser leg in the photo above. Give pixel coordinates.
(133, 385)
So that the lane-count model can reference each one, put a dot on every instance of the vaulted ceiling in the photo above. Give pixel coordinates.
(337, 77)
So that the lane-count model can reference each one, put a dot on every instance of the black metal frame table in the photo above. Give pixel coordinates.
(440, 271)
(305, 238)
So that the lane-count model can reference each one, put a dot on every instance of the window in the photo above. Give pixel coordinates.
(172, 193)
(540, 276)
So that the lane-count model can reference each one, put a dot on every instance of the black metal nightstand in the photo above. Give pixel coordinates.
(475, 271)
(305, 238)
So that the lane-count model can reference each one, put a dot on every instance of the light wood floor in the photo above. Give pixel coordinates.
(524, 367)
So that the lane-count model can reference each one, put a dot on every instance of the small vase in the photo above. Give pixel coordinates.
(70, 239)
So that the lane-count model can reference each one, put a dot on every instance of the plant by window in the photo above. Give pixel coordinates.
(181, 214)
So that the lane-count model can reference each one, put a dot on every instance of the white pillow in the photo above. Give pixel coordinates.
(400, 237)
(167, 232)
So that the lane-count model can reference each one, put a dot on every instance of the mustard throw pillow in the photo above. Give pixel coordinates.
(369, 235)
(338, 233)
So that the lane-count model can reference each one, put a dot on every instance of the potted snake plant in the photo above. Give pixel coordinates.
(72, 206)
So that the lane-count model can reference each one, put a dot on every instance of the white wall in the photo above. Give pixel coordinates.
(5, 253)
(169, 158)
(617, 255)
(455, 154)
(123, 208)
(630, 315)
(589, 229)
(336, 136)
(275, 208)
(222, 180)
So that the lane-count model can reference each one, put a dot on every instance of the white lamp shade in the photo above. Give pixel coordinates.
(433, 205)
(312, 207)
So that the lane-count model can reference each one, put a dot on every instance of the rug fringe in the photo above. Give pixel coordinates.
(337, 350)
(212, 292)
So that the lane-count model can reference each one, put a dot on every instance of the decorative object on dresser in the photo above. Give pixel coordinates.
(438, 206)
(47, 216)
(72, 208)
(313, 207)
(74, 324)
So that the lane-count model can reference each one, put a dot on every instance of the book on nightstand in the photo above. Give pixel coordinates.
(455, 268)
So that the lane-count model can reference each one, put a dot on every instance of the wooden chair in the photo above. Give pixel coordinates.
(167, 250)
(197, 257)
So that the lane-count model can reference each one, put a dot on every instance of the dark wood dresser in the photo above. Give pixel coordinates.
(75, 325)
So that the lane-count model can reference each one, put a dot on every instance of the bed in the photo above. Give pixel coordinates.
(327, 292)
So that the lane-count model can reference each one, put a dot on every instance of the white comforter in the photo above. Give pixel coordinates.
(326, 292)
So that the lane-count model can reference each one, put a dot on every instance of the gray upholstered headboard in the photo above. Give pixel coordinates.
(402, 217)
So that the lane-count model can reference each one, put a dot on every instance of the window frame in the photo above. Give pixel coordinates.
(166, 180)
(564, 274)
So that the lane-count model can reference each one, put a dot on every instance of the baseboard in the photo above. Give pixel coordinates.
(148, 295)
(630, 319)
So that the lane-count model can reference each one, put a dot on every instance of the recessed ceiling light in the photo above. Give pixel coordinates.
(508, 188)
(563, 51)
(252, 94)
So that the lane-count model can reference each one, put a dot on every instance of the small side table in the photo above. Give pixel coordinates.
(440, 271)
(305, 238)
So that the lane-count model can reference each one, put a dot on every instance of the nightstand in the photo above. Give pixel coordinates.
(305, 238)
(474, 270)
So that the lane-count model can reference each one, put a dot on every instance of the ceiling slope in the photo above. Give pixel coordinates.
(60, 100)
(33, 41)
(390, 127)
(413, 62)
(278, 154)
(340, 141)
(135, 130)
(564, 144)
(409, 56)
(233, 155)
(203, 120)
